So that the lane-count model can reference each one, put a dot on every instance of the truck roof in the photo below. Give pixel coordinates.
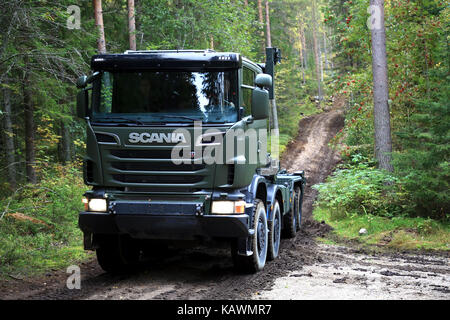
(166, 60)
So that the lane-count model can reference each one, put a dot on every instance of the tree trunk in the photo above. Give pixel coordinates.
(268, 35)
(316, 52)
(9, 140)
(131, 24)
(302, 52)
(302, 64)
(261, 22)
(30, 153)
(274, 104)
(65, 143)
(98, 14)
(321, 63)
(246, 3)
(383, 143)
(305, 51)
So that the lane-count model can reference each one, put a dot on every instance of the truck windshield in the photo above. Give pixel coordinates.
(170, 96)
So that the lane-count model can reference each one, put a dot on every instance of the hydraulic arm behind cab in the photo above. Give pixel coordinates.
(177, 151)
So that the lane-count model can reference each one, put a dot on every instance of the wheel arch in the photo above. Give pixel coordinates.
(274, 193)
(258, 189)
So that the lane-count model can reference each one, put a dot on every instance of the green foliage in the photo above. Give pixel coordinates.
(360, 188)
(424, 160)
(193, 24)
(39, 225)
(417, 48)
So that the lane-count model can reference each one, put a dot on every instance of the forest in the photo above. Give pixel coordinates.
(326, 46)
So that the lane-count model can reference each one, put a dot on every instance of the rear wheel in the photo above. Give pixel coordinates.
(260, 240)
(292, 220)
(290, 223)
(274, 233)
(117, 253)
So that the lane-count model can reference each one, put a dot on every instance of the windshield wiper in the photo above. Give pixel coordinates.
(120, 118)
(182, 117)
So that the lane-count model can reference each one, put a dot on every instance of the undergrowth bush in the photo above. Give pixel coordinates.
(360, 188)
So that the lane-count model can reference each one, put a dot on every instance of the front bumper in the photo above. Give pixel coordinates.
(165, 226)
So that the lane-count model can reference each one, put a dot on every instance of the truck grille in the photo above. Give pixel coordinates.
(158, 166)
(142, 154)
(156, 179)
(153, 167)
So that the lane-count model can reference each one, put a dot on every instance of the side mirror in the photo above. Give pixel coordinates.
(263, 80)
(82, 103)
(260, 103)
(82, 82)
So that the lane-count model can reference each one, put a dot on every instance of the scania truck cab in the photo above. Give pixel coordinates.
(177, 151)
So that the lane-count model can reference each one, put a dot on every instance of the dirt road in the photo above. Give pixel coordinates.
(304, 270)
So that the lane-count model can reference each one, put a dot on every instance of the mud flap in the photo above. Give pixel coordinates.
(88, 241)
(244, 245)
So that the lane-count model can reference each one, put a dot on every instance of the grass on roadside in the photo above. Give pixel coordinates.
(402, 233)
(39, 224)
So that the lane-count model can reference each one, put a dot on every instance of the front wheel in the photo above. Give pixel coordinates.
(260, 239)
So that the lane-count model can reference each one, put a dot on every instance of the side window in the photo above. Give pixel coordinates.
(248, 82)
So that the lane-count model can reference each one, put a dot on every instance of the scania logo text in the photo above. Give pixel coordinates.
(155, 137)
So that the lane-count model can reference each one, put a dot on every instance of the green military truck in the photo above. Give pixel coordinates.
(177, 150)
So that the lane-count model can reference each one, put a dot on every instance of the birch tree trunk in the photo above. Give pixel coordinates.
(98, 14)
(132, 24)
(9, 140)
(382, 125)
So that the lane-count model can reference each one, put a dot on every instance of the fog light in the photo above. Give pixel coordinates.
(98, 205)
(228, 207)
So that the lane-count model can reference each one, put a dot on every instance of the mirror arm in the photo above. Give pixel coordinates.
(92, 77)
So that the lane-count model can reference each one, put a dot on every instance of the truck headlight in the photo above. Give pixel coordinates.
(228, 207)
(98, 205)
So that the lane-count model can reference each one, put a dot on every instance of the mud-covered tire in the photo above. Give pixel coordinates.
(259, 241)
(290, 224)
(274, 233)
(117, 254)
(298, 207)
